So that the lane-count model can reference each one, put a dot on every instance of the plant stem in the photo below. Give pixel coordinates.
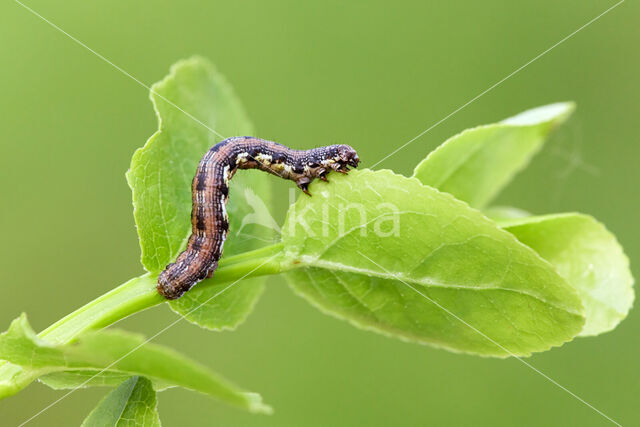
(134, 296)
(140, 293)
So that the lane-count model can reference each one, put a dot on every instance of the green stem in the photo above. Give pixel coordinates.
(134, 296)
(140, 293)
(264, 252)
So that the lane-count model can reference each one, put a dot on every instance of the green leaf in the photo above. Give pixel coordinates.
(216, 310)
(117, 352)
(160, 179)
(378, 249)
(477, 163)
(131, 404)
(589, 257)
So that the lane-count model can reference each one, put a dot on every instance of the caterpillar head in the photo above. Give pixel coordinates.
(347, 156)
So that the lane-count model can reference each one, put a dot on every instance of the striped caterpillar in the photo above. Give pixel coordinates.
(210, 192)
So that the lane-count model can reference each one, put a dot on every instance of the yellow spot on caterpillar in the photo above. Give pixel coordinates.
(265, 159)
(242, 158)
(223, 206)
(227, 175)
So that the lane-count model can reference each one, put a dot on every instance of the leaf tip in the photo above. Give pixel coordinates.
(21, 325)
(256, 405)
(555, 113)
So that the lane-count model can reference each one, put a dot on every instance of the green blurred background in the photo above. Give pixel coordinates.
(369, 73)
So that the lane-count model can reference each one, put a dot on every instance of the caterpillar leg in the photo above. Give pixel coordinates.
(339, 167)
(212, 269)
(303, 184)
(322, 174)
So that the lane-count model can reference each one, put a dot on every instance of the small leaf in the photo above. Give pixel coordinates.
(477, 163)
(367, 243)
(117, 352)
(589, 257)
(160, 179)
(133, 403)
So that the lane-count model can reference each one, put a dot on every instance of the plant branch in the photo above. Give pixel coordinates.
(140, 294)
(136, 295)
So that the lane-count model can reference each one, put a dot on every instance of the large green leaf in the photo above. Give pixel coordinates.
(119, 353)
(589, 257)
(477, 163)
(133, 403)
(203, 107)
(493, 295)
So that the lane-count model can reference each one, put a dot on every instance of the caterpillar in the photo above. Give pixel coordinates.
(210, 192)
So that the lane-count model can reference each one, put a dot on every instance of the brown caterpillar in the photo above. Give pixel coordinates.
(210, 192)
